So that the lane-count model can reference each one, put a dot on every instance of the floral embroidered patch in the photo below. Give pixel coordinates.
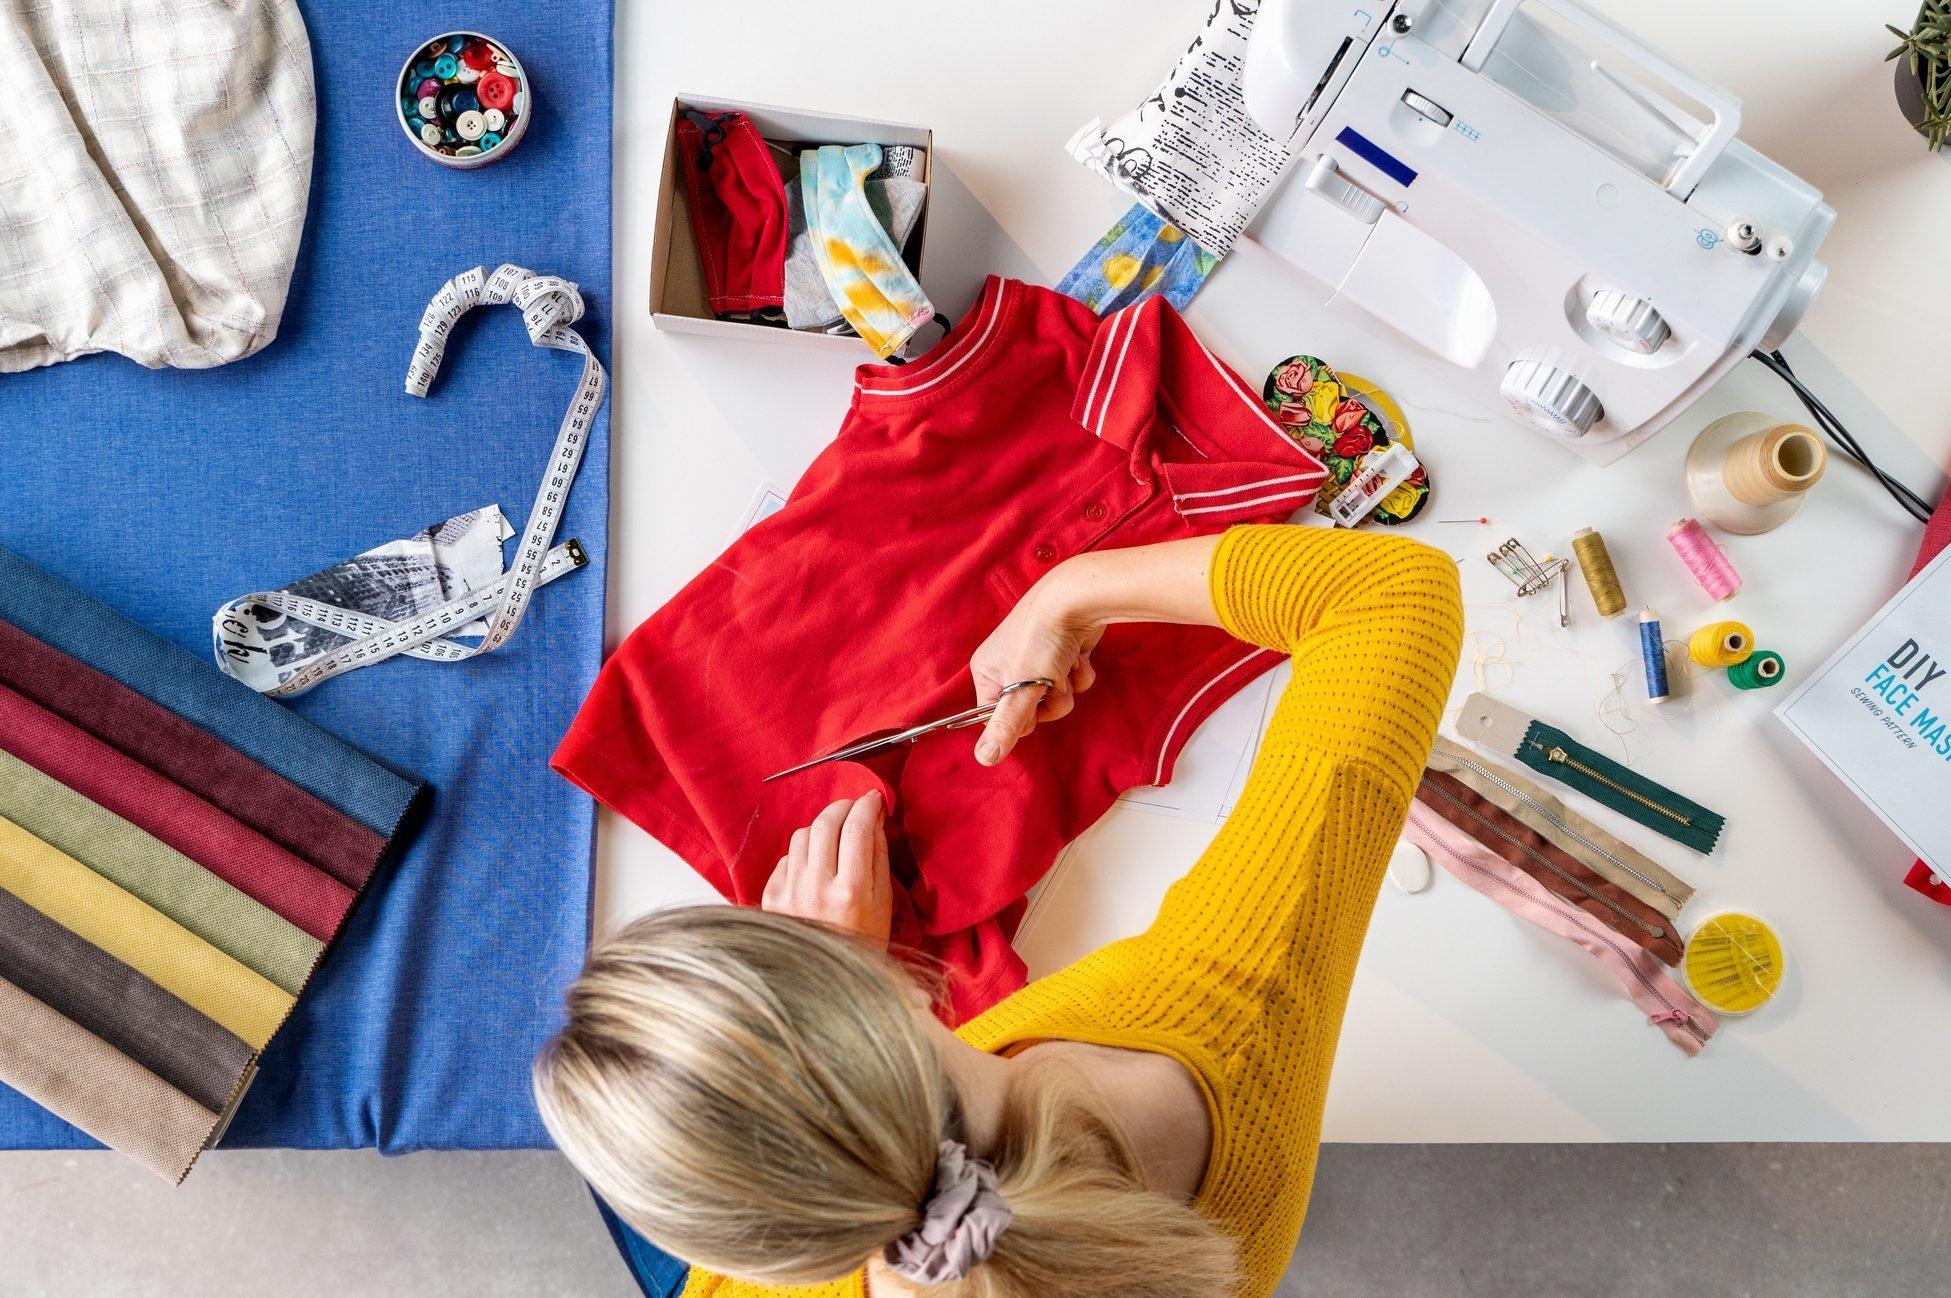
(1343, 420)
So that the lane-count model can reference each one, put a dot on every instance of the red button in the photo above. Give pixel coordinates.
(496, 91)
(1094, 511)
(478, 56)
(1045, 553)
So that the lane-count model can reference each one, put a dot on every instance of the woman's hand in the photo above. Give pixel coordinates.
(835, 872)
(1048, 635)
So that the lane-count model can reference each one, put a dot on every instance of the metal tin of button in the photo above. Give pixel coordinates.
(463, 99)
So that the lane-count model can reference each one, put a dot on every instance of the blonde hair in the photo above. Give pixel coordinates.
(759, 1096)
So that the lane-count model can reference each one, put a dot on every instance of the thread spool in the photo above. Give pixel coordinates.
(1734, 963)
(1652, 653)
(1758, 671)
(1721, 644)
(1747, 473)
(1601, 578)
(1704, 559)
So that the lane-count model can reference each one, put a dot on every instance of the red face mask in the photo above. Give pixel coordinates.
(738, 212)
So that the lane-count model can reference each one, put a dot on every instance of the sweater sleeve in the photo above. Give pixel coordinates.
(1246, 970)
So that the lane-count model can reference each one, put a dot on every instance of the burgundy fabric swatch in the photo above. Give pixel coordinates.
(1553, 867)
(199, 762)
(240, 856)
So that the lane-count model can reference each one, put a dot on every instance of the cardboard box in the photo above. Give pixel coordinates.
(677, 285)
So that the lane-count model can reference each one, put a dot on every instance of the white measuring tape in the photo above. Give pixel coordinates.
(550, 305)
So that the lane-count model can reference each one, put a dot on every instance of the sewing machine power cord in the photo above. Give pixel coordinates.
(1909, 501)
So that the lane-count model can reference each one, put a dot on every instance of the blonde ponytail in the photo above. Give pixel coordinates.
(761, 1097)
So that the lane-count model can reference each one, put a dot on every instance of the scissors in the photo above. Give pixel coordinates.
(881, 740)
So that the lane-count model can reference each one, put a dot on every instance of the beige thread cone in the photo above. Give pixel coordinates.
(1773, 464)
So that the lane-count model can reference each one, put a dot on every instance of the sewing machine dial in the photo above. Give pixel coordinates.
(1550, 398)
(1627, 320)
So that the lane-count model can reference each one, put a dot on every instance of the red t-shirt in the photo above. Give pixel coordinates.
(1038, 431)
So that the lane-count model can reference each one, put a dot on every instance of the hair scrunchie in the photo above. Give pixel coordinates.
(959, 1223)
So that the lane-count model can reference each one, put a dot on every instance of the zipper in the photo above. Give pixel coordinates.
(1563, 758)
(1548, 864)
(1579, 920)
(1536, 806)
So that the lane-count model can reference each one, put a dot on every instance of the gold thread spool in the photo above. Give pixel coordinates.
(1721, 644)
(1601, 578)
(1773, 464)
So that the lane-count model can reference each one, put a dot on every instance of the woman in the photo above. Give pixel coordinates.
(771, 1099)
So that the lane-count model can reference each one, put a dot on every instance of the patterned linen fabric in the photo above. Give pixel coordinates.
(155, 162)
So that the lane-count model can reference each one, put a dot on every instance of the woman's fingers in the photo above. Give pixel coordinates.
(823, 839)
(858, 830)
(1014, 717)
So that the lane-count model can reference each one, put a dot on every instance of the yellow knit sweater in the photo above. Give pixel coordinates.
(1244, 975)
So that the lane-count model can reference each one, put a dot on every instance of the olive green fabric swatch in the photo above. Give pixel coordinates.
(243, 929)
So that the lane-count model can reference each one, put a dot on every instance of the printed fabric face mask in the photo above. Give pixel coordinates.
(876, 292)
(1140, 256)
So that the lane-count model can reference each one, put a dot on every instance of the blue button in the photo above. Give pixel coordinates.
(467, 102)
(423, 69)
(446, 66)
(456, 43)
(489, 141)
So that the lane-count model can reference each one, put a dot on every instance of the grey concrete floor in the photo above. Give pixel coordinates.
(1406, 1221)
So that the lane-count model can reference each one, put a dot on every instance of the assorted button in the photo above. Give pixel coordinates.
(463, 99)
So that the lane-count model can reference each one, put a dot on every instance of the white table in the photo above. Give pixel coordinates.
(1466, 1024)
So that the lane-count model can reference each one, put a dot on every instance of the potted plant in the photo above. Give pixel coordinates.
(1924, 75)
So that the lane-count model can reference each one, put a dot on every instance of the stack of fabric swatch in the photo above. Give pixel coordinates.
(177, 855)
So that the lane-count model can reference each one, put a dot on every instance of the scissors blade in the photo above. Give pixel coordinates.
(881, 740)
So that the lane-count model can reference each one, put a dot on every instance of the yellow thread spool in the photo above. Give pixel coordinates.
(1601, 578)
(1721, 644)
(1734, 963)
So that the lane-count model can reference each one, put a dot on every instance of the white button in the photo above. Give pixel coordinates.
(429, 133)
(466, 75)
(470, 126)
(429, 108)
(1425, 108)
(495, 118)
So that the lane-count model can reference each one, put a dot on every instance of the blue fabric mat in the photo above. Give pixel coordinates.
(163, 493)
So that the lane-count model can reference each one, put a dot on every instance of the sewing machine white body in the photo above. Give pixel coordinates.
(1502, 182)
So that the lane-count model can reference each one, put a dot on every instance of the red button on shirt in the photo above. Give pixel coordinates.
(1035, 433)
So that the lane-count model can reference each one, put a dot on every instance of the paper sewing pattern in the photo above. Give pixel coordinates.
(1191, 152)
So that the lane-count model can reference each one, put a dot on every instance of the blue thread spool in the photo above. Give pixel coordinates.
(1652, 652)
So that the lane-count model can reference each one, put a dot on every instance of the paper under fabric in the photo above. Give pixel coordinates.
(200, 762)
(151, 871)
(100, 994)
(267, 732)
(299, 892)
(169, 955)
(1541, 858)
(1685, 1021)
(73, 1073)
(1518, 796)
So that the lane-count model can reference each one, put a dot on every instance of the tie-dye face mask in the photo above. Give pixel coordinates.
(874, 289)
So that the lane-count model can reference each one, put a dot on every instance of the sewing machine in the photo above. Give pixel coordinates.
(1535, 196)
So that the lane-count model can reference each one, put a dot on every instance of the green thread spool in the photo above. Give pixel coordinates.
(1761, 669)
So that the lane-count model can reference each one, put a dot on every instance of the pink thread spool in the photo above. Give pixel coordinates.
(1704, 559)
